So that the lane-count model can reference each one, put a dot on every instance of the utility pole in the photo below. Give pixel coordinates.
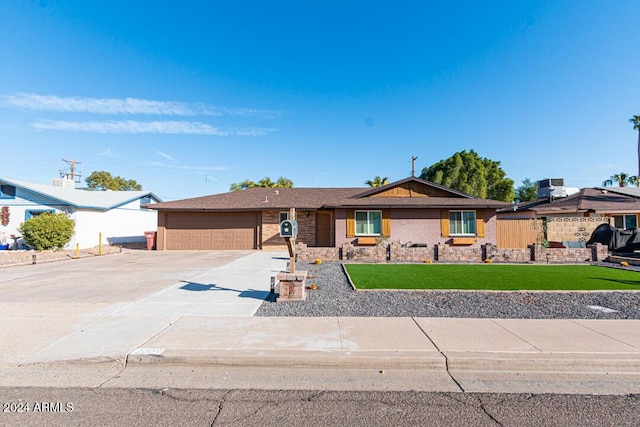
(72, 164)
(413, 166)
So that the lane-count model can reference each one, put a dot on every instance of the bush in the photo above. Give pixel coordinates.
(47, 230)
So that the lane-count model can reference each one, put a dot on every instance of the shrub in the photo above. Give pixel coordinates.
(47, 230)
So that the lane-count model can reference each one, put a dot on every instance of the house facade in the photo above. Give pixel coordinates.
(101, 217)
(409, 212)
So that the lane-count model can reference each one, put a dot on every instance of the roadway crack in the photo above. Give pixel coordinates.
(486, 412)
(219, 408)
(314, 396)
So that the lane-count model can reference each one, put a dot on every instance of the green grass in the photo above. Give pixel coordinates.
(492, 277)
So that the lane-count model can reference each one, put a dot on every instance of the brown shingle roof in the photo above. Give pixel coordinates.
(263, 199)
(317, 198)
(591, 200)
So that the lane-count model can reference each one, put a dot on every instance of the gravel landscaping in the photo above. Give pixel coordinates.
(335, 297)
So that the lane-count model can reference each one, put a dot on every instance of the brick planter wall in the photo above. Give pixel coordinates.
(496, 254)
(376, 253)
(446, 253)
(398, 253)
(595, 252)
(305, 253)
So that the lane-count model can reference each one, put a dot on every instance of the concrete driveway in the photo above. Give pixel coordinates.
(105, 306)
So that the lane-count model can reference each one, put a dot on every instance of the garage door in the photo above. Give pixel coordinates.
(211, 230)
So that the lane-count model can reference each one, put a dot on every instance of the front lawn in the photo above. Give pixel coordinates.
(492, 277)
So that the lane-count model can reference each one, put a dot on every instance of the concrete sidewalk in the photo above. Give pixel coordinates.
(435, 354)
(586, 346)
(436, 344)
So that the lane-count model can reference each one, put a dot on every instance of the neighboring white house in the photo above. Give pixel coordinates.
(119, 216)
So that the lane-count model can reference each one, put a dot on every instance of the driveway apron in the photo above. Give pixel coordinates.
(234, 289)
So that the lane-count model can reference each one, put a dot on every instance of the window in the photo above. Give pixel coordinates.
(368, 223)
(625, 221)
(462, 223)
(283, 216)
(32, 213)
(7, 191)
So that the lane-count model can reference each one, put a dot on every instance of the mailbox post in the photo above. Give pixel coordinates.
(291, 284)
(289, 230)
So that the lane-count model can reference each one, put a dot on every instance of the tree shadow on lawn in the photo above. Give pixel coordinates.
(624, 282)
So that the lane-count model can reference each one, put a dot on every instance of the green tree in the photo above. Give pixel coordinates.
(527, 192)
(47, 230)
(281, 182)
(242, 185)
(103, 180)
(377, 182)
(635, 120)
(622, 179)
(471, 174)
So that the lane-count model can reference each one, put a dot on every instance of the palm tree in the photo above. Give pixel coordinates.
(266, 182)
(635, 120)
(621, 179)
(283, 182)
(377, 182)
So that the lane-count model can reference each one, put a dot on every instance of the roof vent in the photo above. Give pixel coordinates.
(265, 200)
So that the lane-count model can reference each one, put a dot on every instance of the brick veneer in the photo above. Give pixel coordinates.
(271, 229)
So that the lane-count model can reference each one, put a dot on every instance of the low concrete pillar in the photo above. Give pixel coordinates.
(292, 286)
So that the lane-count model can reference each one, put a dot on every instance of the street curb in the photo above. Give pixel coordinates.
(298, 359)
(584, 363)
(625, 363)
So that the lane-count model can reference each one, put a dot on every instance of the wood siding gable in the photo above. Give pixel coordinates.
(413, 189)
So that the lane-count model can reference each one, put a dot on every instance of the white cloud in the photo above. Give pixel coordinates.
(131, 126)
(187, 167)
(125, 106)
(166, 156)
(253, 131)
(139, 127)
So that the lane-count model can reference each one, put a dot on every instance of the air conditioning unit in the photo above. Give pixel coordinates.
(63, 182)
(551, 188)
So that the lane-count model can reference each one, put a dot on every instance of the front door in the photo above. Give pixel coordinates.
(324, 229)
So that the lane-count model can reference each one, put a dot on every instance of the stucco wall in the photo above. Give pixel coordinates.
(124, 224)
(416, 226)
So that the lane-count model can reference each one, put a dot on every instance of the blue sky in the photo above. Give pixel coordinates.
(187, 97)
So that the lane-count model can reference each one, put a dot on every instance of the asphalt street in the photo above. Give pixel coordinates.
(238, 408)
